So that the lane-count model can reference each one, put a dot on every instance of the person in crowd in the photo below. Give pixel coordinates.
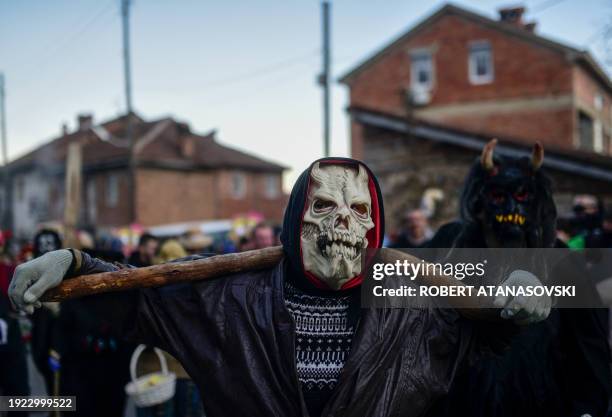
(557, 367)
(195, 242)
(293, 340)
(45, 319)
(262, 236)
(93, 359)
(587, 222)
(415, 231)
(186, 401)
(108, 248)
(146, 251)
(14, 379)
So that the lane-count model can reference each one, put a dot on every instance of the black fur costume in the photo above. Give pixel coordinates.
(558, 367)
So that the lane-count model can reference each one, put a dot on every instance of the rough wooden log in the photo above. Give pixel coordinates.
(170, 273)
(216, 266)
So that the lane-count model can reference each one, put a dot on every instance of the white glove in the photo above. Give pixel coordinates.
(32, 279)
(523, 309)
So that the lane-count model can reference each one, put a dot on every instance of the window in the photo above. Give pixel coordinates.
(421, 70)
(91, 200)
(238, 185)
(598, 102)
(272, 186)
(585, 132)
(598, 141)
(480, 63)
(112, 190)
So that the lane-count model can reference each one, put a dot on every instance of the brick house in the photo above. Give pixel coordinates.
(179, 176)
(468, 78)
(411, 157)
(496, 77)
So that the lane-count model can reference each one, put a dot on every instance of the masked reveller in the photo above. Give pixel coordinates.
(559, 366)
(292, 340)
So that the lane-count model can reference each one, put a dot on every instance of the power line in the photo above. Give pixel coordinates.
(265, 70)
(51, 49)
(547, 4)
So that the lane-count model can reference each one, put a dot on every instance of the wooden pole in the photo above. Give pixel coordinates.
(170, 273)
(72, 199)
(220, 265)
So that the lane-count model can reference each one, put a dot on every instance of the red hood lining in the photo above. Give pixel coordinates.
(373, 235)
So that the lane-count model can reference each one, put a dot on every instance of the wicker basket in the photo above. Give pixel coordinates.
(150, 389)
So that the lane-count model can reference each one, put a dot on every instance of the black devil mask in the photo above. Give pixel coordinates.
(510, 199)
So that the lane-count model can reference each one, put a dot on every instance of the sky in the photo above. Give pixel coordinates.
(245, 68)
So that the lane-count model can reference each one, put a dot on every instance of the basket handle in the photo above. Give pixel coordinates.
(136, 355)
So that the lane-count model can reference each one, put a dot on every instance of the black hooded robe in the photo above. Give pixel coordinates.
(236, 339)
(557, 367)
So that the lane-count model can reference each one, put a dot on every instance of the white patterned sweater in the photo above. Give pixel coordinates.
(323, 336)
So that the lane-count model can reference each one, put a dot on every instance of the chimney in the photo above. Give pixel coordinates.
(85, 121)
(531, 26)
(188, 146)
(64, 129)
(512, 15)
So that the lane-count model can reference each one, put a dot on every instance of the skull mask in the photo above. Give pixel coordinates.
(336, 220)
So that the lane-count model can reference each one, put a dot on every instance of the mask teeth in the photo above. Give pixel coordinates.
(510, 218)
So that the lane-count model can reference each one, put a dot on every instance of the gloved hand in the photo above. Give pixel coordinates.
(523, 309)
(32, 279)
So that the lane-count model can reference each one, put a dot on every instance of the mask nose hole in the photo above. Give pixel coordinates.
(341, 220)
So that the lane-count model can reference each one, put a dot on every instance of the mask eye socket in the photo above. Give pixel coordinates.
(323, 206)
(361, 209)
(521, 195)
(497, 196)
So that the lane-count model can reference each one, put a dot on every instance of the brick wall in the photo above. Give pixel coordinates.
(530, 97)
(254, 197)
(165, 196)
(406, 166)
(586, 89)
(107, 212)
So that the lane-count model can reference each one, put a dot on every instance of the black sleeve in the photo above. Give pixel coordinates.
(149, 316)
(587, 369)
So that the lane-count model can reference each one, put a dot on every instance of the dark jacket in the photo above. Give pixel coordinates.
(13, 364)
(235, 338)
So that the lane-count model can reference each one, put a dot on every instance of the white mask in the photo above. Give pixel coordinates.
(337, 218)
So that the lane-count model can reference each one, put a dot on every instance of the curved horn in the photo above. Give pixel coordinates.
(316, 174)
(362, 175)
(486, 158)
(537, 156)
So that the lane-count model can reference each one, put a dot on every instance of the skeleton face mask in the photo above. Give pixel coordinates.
(337, 218)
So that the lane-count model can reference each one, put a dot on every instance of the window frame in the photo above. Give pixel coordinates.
(111, 192)
(475, 49)
(238, 194)
(271, 186)
(417, 58)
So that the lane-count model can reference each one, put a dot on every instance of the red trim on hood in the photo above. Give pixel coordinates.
(373, 235)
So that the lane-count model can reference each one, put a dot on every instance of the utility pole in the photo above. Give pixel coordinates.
(7, 205)
(127, 75)
(324, 78)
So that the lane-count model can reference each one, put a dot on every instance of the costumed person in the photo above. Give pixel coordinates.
(186, 401)
(559, 366)
(292, 340)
